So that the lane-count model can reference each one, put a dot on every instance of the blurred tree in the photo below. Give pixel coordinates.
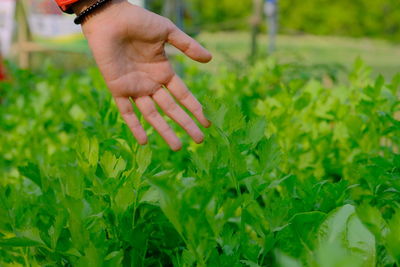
(358, 18)
(255, 21)
(370, 18)
(223, 14)
(181, 12)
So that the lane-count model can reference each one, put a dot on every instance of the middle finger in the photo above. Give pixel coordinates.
(175, 112)
(146, 105)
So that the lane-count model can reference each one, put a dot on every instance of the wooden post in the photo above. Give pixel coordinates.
(256, 20)
(23, 35)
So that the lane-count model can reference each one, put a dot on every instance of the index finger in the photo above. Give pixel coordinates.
(188, 45)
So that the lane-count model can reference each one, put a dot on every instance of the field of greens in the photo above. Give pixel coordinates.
(298, 169)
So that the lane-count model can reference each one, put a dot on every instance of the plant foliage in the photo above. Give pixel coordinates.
(297, 170)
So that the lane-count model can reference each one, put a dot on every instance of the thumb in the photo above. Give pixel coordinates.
(188, 45)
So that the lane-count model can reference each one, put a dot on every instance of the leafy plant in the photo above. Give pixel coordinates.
(296, 171)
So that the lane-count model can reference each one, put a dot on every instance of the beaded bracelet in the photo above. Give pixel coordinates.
(81, 16)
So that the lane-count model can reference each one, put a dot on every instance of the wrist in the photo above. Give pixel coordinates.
(82, 5)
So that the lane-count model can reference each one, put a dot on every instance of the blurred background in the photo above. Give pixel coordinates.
(319, 33)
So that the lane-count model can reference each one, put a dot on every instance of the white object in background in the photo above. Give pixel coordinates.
(47, 21)
(7, 9)
(270, 8)
(137, 2)
(52, 26)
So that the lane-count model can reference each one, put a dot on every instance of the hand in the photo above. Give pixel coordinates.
(128, 42)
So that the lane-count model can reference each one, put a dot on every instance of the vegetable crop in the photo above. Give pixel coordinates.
(299, 169)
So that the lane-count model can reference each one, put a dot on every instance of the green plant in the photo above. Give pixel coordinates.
(297, 170)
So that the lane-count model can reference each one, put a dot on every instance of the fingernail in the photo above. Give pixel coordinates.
(199, 138)
(176, 146)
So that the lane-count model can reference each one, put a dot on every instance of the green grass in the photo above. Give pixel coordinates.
(234, 48)
(382, 56)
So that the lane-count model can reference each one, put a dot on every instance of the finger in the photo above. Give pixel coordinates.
(179, 90)
(175, 112)
(126, 110)
(150, 113)
(188, 45)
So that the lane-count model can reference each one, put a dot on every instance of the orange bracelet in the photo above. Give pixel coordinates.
(65, 5)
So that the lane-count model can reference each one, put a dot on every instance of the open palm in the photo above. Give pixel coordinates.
(128, 45)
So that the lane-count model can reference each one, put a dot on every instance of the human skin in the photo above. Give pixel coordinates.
(128, 44)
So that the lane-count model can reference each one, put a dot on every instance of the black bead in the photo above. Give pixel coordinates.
(81, 16)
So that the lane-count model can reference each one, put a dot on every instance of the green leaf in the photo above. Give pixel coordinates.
(88, 152)
(111, 165)
(91, 257)
(143, 158)
(32, 172)
(360, 241)
(152, 195)
(372, 219)
(249, 263)
(269, 153)
(256, 131)
(334, 227)
(305, 226)
(124, 198)
(56, 229)
(284, 260)
(114, 258)
(26, 238)
(217, 116)
(19, 242)
(393, 236)
(77, 113)
(343, 231)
